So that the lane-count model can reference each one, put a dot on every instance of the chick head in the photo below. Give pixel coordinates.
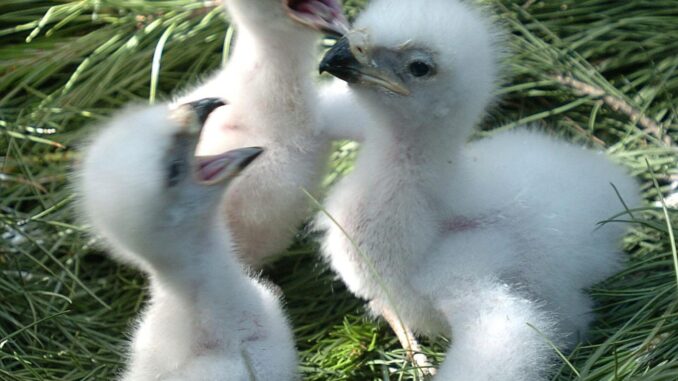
(419, 61)
(141, 182)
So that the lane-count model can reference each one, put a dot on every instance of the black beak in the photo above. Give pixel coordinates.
(204, 107)
(248, 155)
(341, 63)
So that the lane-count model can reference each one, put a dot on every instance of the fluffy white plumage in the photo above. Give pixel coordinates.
(273, 104)
(157, 207)
(478, 240)
(342, 115)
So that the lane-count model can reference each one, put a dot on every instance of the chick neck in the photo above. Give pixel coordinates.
(274, 73)
(192, 252)
(279, 48)
(199, 276)
(431, 140)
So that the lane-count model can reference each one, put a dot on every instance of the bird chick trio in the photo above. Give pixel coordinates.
(491, 243)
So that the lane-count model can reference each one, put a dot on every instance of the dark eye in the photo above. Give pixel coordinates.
(419, 69)
(175, 173)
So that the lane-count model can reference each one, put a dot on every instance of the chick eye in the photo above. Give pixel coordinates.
(175, 173)
(420, 68)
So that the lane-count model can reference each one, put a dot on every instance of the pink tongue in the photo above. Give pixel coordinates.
(316, 8)
(209, 168)
(325, 9)
(324, 15)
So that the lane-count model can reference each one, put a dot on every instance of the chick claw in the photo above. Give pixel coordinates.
(410, 344)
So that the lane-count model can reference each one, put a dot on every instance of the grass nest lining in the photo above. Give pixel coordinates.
(596, 72)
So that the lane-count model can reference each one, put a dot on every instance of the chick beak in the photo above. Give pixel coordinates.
(223, 167)
(208, 170)
(192, 116)
(204, 107)
(322, 15)
(341, 62)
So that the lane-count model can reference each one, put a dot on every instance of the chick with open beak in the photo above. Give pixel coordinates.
(207, 170)
(158, 207)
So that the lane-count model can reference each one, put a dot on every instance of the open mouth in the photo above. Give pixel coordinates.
(210, 169)
(323, 15)
(213, 169)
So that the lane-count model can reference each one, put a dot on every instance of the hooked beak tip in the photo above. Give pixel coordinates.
(204, 107)
(250, 156)
(340, 62)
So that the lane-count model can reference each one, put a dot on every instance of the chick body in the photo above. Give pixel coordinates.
(491, 242)
(273, 103)
(206, 318)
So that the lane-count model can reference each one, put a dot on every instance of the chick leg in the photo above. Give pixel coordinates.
(497, 334)
(409, 343)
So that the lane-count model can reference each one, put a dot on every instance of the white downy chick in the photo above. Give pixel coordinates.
(273, 104)
(157, 206)
(491, 242)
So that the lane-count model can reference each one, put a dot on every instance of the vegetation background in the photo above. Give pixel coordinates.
(602, 73)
